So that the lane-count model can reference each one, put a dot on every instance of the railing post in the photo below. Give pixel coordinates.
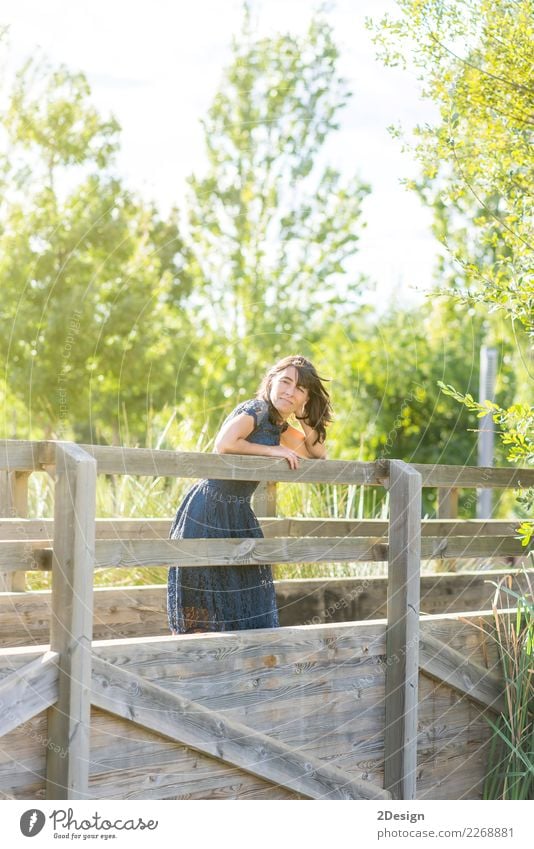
(402, 633)
(448, 503)
(447, 509)
(264, 499)
(13, 503)
(67, 766)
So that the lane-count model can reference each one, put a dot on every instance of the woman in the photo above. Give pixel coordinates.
(231, 598)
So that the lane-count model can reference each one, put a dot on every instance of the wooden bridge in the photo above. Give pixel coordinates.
(379, 709)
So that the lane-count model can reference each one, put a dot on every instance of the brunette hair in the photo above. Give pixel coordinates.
(318, 410)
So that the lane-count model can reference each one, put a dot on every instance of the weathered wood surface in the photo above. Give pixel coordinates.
(150, 528)
(14, 505)
(127, 553)
(22, 455)
(142, 611)
(402, 633)
(281, 683)
(110, 459)
(28, 690)
(312, 601)
(451, 667)
(209, 731)
(71, 622)
(448, 503)
(474, 476)
(264, 499)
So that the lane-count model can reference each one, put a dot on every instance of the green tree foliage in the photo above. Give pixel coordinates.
(386, 370)
(273, 227)
(91, 276)
(474, 58)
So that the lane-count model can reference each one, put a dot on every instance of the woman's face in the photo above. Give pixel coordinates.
(287, 394)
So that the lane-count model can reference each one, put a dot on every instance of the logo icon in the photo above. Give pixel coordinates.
(32, 822)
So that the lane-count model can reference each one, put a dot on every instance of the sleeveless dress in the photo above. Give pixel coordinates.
(223, 598)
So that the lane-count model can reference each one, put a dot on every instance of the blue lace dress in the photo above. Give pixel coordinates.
(223, 598)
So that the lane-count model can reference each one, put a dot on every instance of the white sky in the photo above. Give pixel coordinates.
(157, 65)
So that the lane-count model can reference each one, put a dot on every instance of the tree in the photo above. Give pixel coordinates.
(475, 60)
(91, 275)
(272, 227)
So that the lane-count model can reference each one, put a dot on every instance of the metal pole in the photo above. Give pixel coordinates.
(486, 434)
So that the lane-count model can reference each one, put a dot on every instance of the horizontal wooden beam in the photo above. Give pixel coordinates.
(466, 547)
(24, 455)
(152, 528)
(454, 669)
(28, 690)
(140, 611)
(481, 477)
(220, 552)
(127, 553)
(212, 733)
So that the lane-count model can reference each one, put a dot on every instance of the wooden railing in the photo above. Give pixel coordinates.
(79, 546)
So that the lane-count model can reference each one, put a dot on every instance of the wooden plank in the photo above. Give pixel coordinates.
(153, 528)
(210, 732)
(465, 547)
(235, 551)
(448, 503)
(29, 556)
(19, 490)
(194, 464)
(447, 509)
(28, 690)
(71, 623)
(122, 612)
(264, 499)
(453, 668)
(130, 762)
(127, 553)
(402, 633)
(23, 455)
(474, 476)
(13, 503)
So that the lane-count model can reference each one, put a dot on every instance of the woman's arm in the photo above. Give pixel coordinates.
(302, 443)
(232, 439)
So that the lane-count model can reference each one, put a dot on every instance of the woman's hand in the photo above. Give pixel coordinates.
(301, 413)
(287, 454)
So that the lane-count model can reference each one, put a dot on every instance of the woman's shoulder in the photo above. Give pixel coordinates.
(258, 408)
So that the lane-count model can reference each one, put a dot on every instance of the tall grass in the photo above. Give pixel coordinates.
(511, 757)
(329, 501)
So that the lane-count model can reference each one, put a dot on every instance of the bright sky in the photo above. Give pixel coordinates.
(157, 65)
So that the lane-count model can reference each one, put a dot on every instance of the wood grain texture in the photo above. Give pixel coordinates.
(71, 622)
(151, 528)
(28, 690)
(22, 455)
(402, 634)
(451, 667)
(125, 612)
(318, 689)
(126, 553)
(211, 732)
